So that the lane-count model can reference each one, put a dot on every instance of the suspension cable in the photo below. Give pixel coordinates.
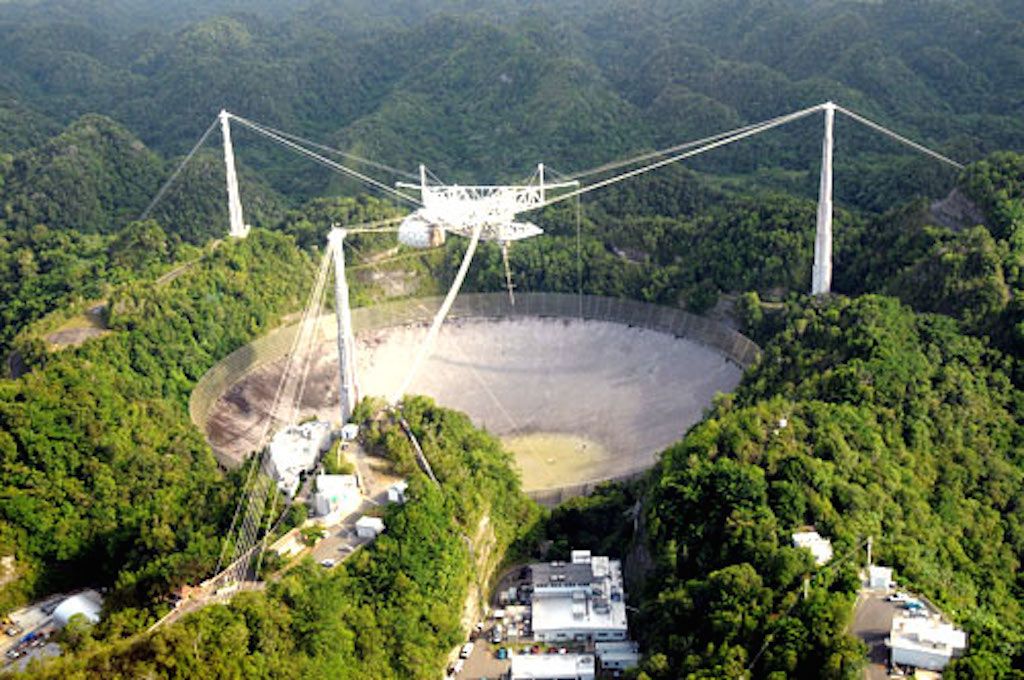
(660, 153)
(748, 132)
(435, 327)
(334, 165)
(177, 171)
(343, 154)
(900, 138)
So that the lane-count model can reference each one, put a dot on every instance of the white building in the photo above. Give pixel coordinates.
(88, 603)
(349, 432)
(927, 643)
(620, 655)
(336, 496)
(396, 492)
(369, 527)
(820, 547)
(880, 578)
(552, 667)
(580, 600)
(295, 450)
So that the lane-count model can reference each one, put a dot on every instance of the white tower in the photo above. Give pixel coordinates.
(821, 278)
(238, 229)
(347, 391)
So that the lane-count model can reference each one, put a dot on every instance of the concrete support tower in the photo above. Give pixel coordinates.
(821, 279)
(347, 390)
(238, 228)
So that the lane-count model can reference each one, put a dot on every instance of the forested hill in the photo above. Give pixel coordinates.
(862, 419)
(489, 88)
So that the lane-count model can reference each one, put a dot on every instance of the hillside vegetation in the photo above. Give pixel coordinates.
(862, 419)
(104, 477)
(900, 394)
(393, 610)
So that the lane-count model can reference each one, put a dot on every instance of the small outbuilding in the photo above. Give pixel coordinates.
(880, 578)
(369, 527)
(620, 655)
(336, 496)
(819, 546)
(396, 492)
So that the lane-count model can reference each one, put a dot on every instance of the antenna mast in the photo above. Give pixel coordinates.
(238, 228)
(346, 340)
(822, 275)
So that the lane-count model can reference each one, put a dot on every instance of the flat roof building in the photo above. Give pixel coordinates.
(295, 450)
(579, 600)
(619, 655)
(369, 527)
(927, 643)
(879, 578)
(552, 667)
(336, 496)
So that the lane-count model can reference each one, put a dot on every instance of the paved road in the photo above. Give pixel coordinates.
(872, 621)
(341, 540)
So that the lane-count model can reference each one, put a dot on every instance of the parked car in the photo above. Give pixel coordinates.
(328, 563)
(502, 653)
(466, 650)
(913, 605)
(897, 597)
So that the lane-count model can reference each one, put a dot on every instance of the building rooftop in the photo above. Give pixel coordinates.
(88, 603)
(296, 449)
(560, 574)
(370, 522)
(530, 666)
(820, 547)
(929, 634)
(583, 614)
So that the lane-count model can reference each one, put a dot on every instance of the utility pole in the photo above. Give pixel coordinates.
(821, 278)
(238, 228)
(346, 340)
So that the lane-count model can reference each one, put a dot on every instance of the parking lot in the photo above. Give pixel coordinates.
(31, 627)
(872, 621)
(484, 662)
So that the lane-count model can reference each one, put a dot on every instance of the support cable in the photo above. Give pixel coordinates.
(177, 171)
(508, 273)
(749, 132)
(661, 153)
(339, 152)
(435, 327)
(334, 165)
(254, 492)
(579, 255)
(900, 138)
